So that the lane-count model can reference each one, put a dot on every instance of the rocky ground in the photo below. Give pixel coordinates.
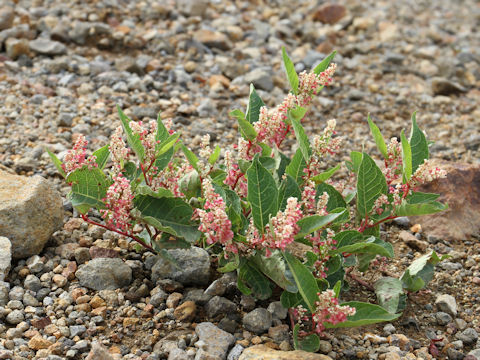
(65, 65)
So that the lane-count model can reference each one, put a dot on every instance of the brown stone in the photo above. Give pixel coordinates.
(73, 224)
(69, 271)
(98, 352)
(16, 47)
(41, 323)
(412, 241)
(83, 307)
(213, 39)
(37, 342)
(102, 311)
(461, 191)
(97, 302)
(129, 321)
(67, 251)
(400, 341)
(77, 293)
(217, 79)
(173, 300)
(101, 252)
(262, 352)
(330, 13)
(185, 312)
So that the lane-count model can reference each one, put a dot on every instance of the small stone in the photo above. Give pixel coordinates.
(330, 13)
(7, 15)
(219, 306)
(399, 340)
(77, 330)
(212, 39)
(447, 303)
(258, 320)
(82, 255)
(38, 342)
(173, 300)
(32, 283)
(217, 341)
(442, 86)
(443, 318)
(185, 312)
(47, 47)
(468, 336)
(325, 347)
(59, 280)
(235, 353)
(260, 78)
(277, 310)
(16, 47)
(190, 66)
(15, 317)
(104, 274)
(279, 333)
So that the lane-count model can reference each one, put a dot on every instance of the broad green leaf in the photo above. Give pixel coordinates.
(388, 291)
(231, 265)
(132, 172)
(146, 190)
(364, 261)
(244, 165)
(382, 147)
(310, 343)
(291, 300)
(89, 187)
(324, 64)
(191, 157)
(418, 144)
(167, 144)
(266, 150)
(312, 223)
(189, 184)
(306, 283)
(303, 142)
(420, 271)
(162, 132)
(290, 70)
(406, 158)
(282, 161)
(162, 161)
(102, 156)
(406, 209)
(253, 281)
(171, 215)
(337, 287)
(370, 185)
(356, 158)
(377, 247)
(365, 314)
(335, 199)
(212, 159)
(333, 264)
(288, 188)
(325, 175)
(348, 237)
(274, 267)
(246, 128)
(56, 161)
(133, 140)
(262, 194)
(255, 103)
(296, 167)
(421, 198)
(267, 162)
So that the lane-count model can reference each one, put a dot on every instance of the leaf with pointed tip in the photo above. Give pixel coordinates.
(406, 209)
(212, 159)
(288, 188)
(246, 128)
(290, 70)
(324, 64)
(56, 161)
(406, 158)
(296, 167)
(167, 144)
(255, 103)
(365, 314)
(382, 147)
(303, 142)
(275, 268)
(371, 184)
(133, 140)
(418, 144)
(89, 187)
(101, 156)
(312, 223)
(325, 175)
(388, 291)
(191, 157)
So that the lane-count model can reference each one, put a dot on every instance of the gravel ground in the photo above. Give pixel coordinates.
(65, 65)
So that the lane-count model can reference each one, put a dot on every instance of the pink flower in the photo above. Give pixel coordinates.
(426, 173)
(147, 137)
(118, 149)
(329, 311)
(118, 203)
(76, 157)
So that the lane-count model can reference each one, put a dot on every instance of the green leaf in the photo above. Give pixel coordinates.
(288, 188)
(146, 190)
(406, 158)
(291, 300)
(406, 209)
(167, 144)
(418, 144)
(364, 261)
(421, 271)
(421, 198)
(370, 185)
(89, 187)
(325, 175)
(191, 157)
(102, 156)
(162, 132)
(388, 291)
(324, 64)
(132, 173)
(231, 265)
(282, 162)
(306, 283)
(303, 142)
(246, 128)
(212, 159)
(371, 246)
(310, 343)
(274, 267)
(333, 264)
(365, 314)
(56, 161)
(262, 194)
(253, 281)
(335, 199)
(348, 237)
(133, 140)
(296, 167)
(162, 161)
(255, 103)
(312, 223)
(356, 158)
(290, 70)
(337, 287)
(382, 147)
(171, 215)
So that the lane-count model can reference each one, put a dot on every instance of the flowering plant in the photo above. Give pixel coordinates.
(258, 207)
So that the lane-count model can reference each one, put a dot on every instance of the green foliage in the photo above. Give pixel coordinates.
(371, 184)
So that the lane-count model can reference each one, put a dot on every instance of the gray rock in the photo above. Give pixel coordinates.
(48, 47)
(468, 336)
(30, 211)
(81, 346)
(82, 255)
(178, 354)
(442, 86)
(258, 320)
(325, 347)
(192, 268)
(29, 300)
(260, 78)
(6, 17)
(219, 306)
(219, 286)
(235, 353)
(443, 318)
(32, 283)
(17, 293)
(77, 330)
(15, 317)
(277, 310)
(454, 354)
(65, 119)
(158, 298)
(402, 221)
(104, 274)
(4, 290)
(5, 258)
(475, 353)
(198, 296)
(217, 341)
(192, 8)
(35, 264)
(446, 303)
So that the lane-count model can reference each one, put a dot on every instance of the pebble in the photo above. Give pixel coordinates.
(258, 320)
(447, 303)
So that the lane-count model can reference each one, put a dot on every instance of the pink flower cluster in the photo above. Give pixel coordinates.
(118, 149)
(282, 230)
(310, 205)
(118, 203)
(426, 173)
(169, 178)
(214, 222)
(310, 84)
(76, 157)
(393, 162)
(329, 311)
(326, 143)
(147, 137)
(378, 206)
(322, 247)
(235, 178)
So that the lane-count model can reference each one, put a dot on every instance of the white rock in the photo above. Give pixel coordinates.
(5, 257)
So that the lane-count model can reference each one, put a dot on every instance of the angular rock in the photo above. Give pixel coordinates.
(185, 312)
(219, 306)
(104, 274)
(213, 39)
(38, 342)
(192, 268)
(442, 86)
(30, 211)
(461, 190)
(447, 304)
(218, 341)
(235, 353)
(48, 47)
(260, 78)
(263, 352)
(16, 47)
(98, 352)
(258, 320)
(329, 13)
(468, 336)
(5, 257)
(412, 241)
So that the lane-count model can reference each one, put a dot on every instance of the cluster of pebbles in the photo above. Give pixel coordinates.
(64, 66)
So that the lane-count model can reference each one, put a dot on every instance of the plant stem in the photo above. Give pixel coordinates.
(362, 282)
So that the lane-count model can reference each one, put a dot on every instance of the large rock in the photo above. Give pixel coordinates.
(217, 341)
(30, 211)
(192, 267)
(48, 47)
(461, 190)
(262, 352)
(104, 274)
(5, 257)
